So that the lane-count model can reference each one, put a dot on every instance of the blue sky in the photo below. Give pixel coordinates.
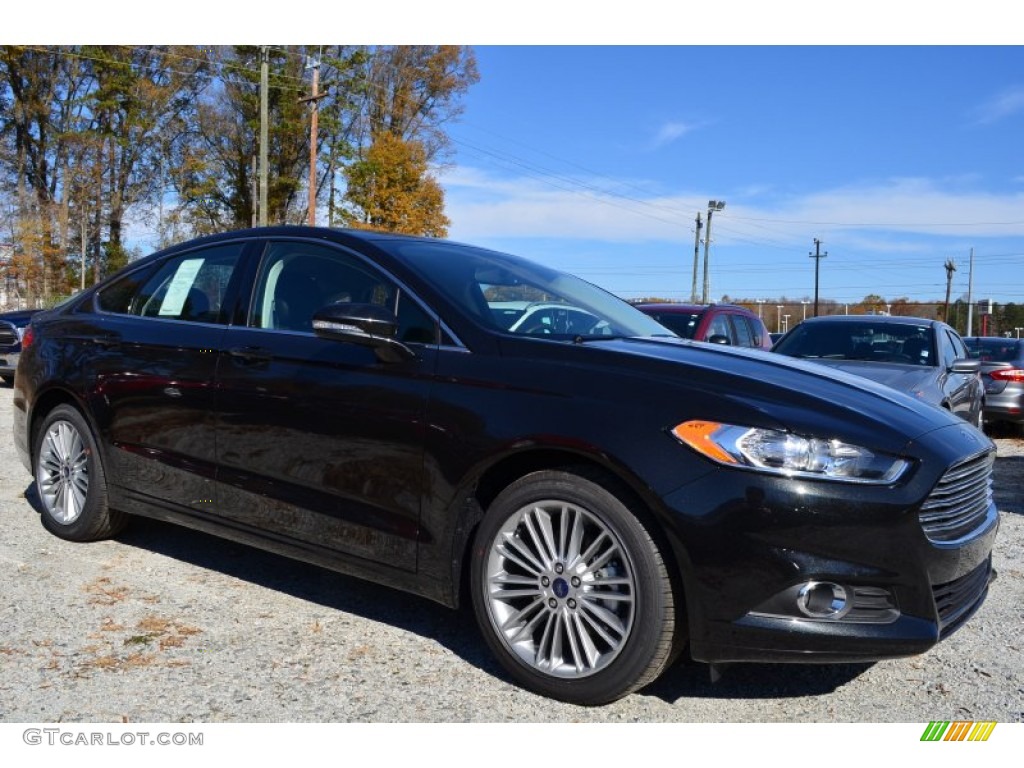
(596, 159)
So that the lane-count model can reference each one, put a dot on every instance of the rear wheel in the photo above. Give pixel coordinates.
(571, 591)
(70, 479)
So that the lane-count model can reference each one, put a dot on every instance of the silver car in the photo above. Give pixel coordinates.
(1002, 371)
(925, 358)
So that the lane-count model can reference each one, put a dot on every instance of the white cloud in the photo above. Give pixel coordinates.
(669, 132)
(1005, 104)
(484, 206)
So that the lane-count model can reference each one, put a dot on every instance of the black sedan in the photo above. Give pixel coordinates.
(924, 358)
(608, 497)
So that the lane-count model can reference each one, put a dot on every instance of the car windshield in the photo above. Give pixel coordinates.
(517, 296)
(869, 341)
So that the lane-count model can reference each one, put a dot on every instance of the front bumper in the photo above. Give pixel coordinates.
(761, 540)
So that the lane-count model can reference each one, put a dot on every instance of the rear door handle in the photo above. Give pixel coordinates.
(107, 341)
(250, 355)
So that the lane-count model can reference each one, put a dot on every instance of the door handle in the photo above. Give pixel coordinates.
(107, 342)
(250, 355)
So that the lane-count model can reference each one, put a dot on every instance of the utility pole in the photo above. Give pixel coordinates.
(264, 138)
(970, 296)
(313, 134)
(696, 259)
(713, 205)
(950, 269)
(817, 256)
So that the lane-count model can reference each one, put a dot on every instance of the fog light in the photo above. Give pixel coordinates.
(823, 600)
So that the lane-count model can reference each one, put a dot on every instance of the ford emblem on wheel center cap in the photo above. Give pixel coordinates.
(561, 588)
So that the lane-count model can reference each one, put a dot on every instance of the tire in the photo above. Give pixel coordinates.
(570, 590)
(70, 480)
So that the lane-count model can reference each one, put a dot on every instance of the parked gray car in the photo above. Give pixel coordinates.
(1002, 371)
(925, 358)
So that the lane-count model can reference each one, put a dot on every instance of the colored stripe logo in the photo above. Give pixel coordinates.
(958, 731)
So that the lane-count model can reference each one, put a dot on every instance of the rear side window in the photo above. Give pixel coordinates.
(189, 287)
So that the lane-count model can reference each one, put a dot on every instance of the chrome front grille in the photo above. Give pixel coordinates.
(8, 335)
(960, 502)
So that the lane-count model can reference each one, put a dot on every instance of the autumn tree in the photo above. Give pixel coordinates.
(391, 189)
(412, 92)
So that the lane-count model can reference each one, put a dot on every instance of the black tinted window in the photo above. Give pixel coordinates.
(118, 296)
(191, 287)
(297, 279)
(744, 333)
(681, 324)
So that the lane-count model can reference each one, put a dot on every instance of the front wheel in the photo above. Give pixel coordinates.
(70, 479)
(571, 591)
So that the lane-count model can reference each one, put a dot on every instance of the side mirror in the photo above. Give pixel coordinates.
(368, 325)
(718, 338)
(965, 365)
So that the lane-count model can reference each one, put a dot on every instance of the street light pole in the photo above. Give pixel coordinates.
(713, 205)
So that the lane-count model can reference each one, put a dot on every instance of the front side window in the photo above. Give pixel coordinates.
(744, 333)
(719, 326)
(948, 351)
(189, 287)
(297, 279)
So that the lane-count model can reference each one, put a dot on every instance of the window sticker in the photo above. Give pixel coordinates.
(181, 284)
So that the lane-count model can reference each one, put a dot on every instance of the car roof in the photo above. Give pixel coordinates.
(881, 319)
(666, 306)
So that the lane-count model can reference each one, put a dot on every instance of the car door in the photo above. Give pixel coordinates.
(149, 354)
(319, 441)
(961, 389)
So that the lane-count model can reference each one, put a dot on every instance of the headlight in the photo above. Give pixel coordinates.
(784, 453)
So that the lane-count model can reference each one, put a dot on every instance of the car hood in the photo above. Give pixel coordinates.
(749, 387)
(905, 377)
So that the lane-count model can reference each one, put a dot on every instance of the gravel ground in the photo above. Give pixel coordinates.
(168, 625)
